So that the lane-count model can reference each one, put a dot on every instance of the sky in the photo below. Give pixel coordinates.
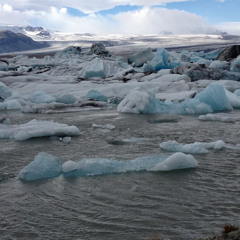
(142, 17)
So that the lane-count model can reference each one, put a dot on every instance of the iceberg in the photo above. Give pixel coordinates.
(13, 104)
(5, 91)
(37, 128)
(212, 99)
(221, 117)
(46, 166)
(161, 60)
(175, 162)
(41, 97)
(43, 166)
(102, 166)
(141, 57)
(66, 98)
(95, 95)
(95, 68)
(197, 147)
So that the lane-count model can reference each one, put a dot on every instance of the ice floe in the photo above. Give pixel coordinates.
(175, 162)
(36, 128)
(221, 117)
(43, 166)
(197, 147)
(211, 99)
(47, 166)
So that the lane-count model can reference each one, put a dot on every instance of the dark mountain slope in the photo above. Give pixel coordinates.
(14, 42)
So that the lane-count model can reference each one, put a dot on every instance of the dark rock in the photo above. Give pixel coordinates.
(33, 29)
(99, 49)
(199, 71)
(14, 42)
(229, 53)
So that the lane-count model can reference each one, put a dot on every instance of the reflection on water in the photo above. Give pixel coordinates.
(180, 205)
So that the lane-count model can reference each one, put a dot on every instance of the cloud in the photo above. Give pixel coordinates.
(229, 27)
(144, 21)
(88, 6)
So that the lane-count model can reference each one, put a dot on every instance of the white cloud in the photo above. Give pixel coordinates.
(87, 6)
(230, 27)
(145, 21)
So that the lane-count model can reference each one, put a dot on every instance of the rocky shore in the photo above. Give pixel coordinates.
(229, 232)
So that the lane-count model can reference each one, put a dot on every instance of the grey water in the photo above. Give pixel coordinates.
(179, 205)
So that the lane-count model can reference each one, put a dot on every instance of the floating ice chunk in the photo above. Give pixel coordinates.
(233, 99)
(66, 98)
(142, 57)
(235, 65)
(102, 166)
(5, 91)
(176, 161)
(41, 97)
(176, 96)
(161, 60)
(13, 104)
(37, 128)
(107, 126)
(66, 139)
(95, 95)
(211, 99)
(219, 64)
(197, 147)
(71, 50)
(138, 102)
(43, 166)
(95, 68)
(221, 117)
(22, 69)
(214, 96)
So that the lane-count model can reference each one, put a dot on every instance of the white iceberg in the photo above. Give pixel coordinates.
(221, 117)
(197, 147)
(5, 91)
(41, 97)
(175, 162)
(37, 128)
(213, 98)
(43, 166)
(102, 166)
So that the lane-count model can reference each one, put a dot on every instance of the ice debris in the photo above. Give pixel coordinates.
(197, 147)
(43, 166)
(37, 128)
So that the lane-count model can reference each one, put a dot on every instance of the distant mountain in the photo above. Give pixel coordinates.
(15, 42)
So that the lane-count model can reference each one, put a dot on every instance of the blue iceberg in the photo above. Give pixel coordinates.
(43, 166)
(95, 95)
(46, 166)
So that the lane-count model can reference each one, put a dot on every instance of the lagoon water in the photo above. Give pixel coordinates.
(177, 205)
